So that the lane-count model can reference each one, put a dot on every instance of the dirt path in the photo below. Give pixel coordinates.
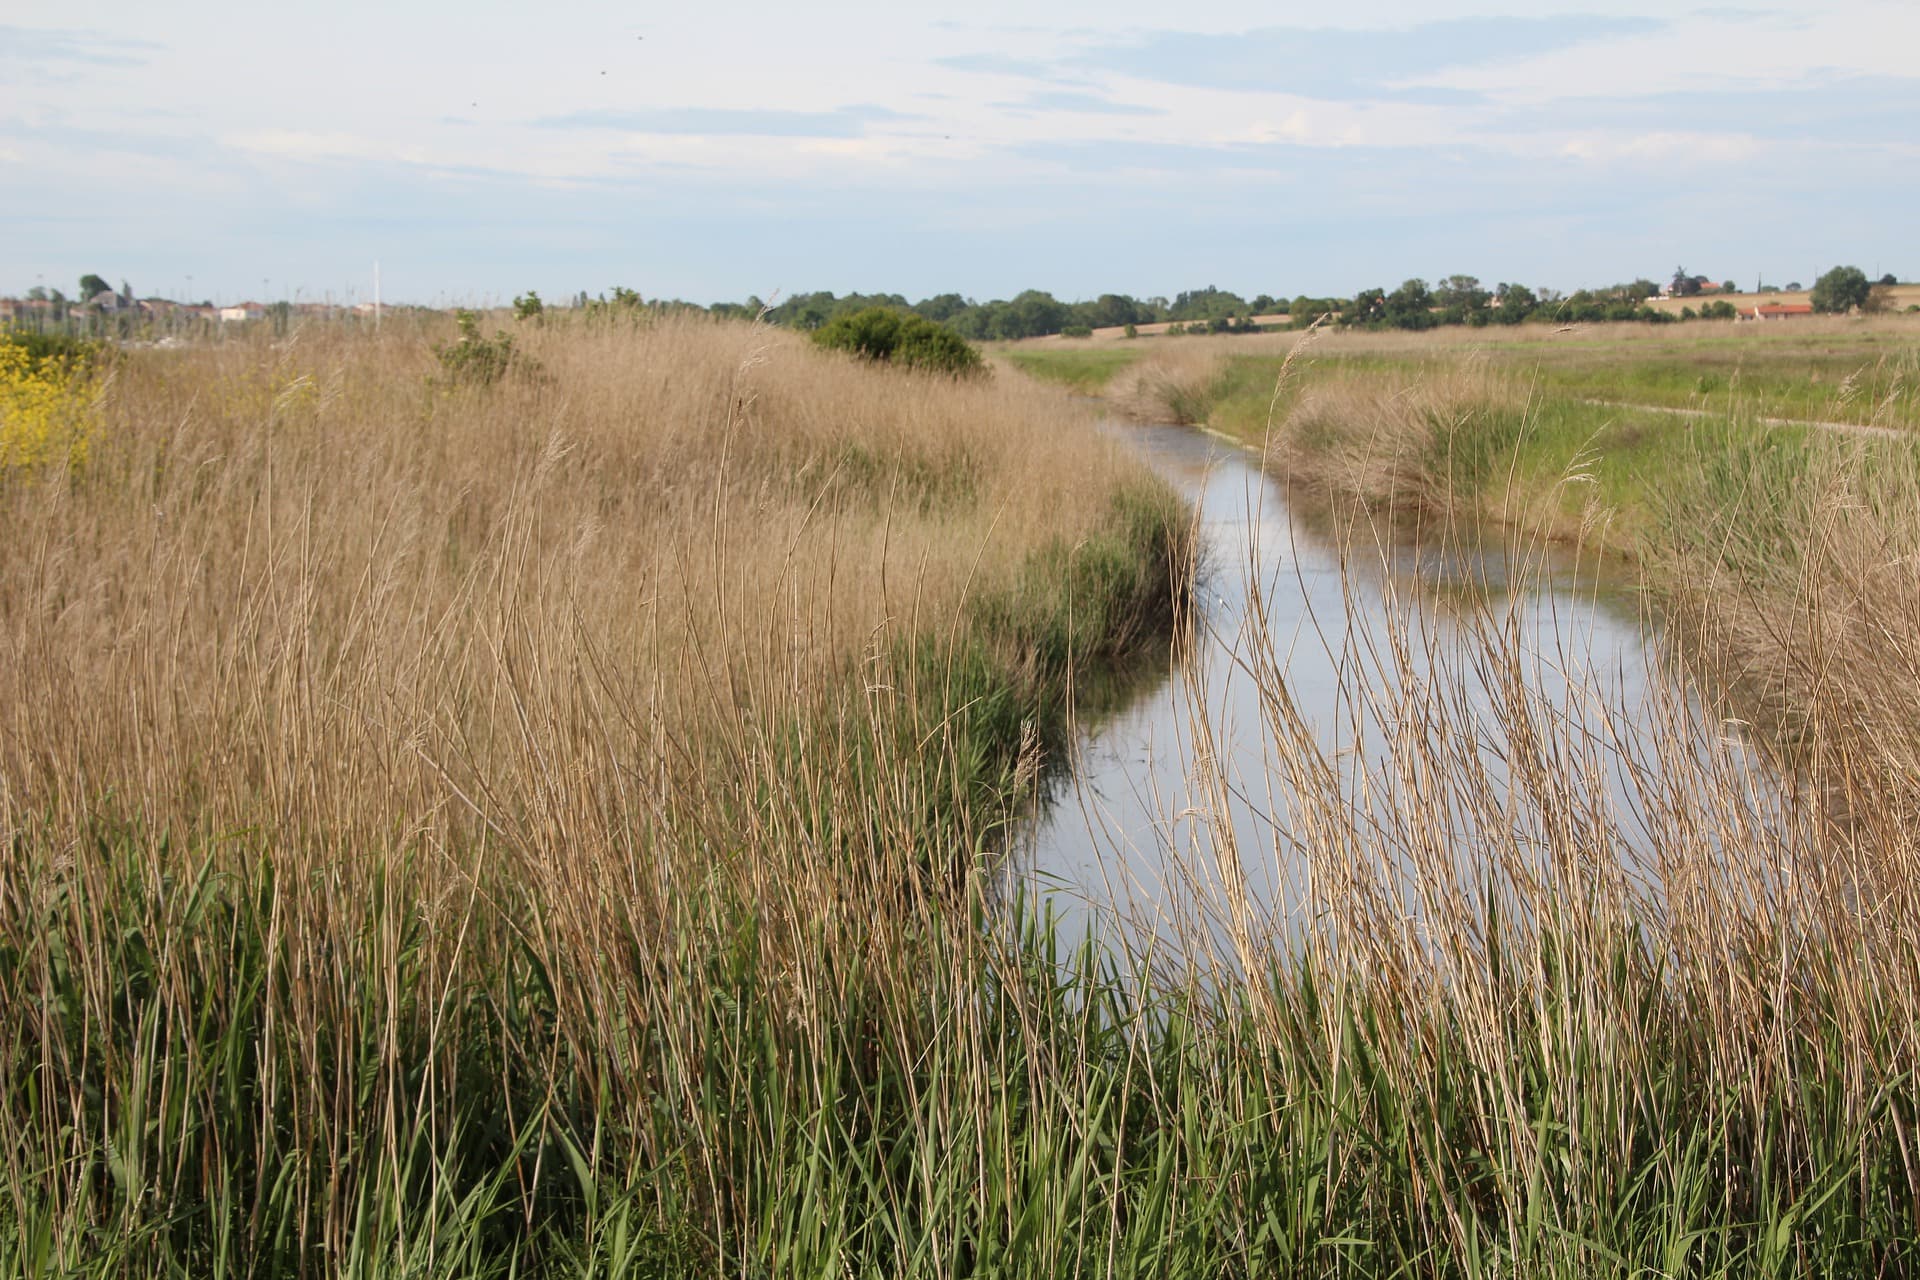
(1848, 428)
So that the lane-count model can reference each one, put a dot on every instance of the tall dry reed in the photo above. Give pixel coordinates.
(539, 832)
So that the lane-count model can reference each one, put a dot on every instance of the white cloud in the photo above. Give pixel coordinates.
(1663, 149)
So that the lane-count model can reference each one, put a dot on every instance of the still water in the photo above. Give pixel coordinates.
(1126, 834)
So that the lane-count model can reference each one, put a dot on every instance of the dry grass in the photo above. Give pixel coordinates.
(1398, 441)
(300, 583)
(1794, 585)
(1170, 383)
(460, 833)
(364, 701)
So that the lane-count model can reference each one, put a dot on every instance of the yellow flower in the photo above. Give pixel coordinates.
(47, 411)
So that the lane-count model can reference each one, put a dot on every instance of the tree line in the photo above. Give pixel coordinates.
(1415, 304)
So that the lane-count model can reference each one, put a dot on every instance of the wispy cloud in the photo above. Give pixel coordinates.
(1324, 62)
(1825, 108)
(999, 64)
(845, 122)
(45, 44)
(1080, 103)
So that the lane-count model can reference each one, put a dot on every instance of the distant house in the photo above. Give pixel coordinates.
(1700, 284)
(242, 312)
(1780, 310)
(21, 310)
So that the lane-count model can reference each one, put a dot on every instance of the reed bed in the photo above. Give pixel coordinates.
(1171, 383)
(550, 831)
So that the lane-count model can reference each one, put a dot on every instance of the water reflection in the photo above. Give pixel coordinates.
(1324, 606)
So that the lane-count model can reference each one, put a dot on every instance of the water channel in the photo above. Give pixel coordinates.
(1126, 835)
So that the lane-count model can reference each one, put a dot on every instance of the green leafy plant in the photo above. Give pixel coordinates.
(476, 360)
(901, 338)
(1840, 290)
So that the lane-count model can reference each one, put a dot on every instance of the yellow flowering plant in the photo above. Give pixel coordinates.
(48, 411)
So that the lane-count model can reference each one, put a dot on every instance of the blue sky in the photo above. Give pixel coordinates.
(711, 152)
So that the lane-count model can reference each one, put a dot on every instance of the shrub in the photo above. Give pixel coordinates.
(527, 306)
(475, 360)
(1077, 331)
(899, 337)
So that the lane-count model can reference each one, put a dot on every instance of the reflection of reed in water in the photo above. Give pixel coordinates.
(1533, 940)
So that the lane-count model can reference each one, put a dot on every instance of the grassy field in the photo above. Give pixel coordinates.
(548, 828)
(1899, 298)
(1575, 425)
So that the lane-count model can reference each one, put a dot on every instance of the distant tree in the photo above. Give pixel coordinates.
(1305, 310)
(1641, 289)
(1369, 308)
(1461, 293)
(1841, 289)
(92, 286)
(1888, 280)
(1411, 306)
(1793, 286)
(1031, 314)
(1205, 304)
(1684, 285)
(1517, 302)
(38, 293)
(942, 307)
(1462, 300)
(1112, 309)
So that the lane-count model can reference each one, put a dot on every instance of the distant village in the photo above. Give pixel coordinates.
(119, 312)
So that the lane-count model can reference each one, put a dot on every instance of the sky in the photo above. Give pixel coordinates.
(715, 151)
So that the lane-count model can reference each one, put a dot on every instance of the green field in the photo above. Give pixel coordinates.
(1576, 433)
(1083, 369)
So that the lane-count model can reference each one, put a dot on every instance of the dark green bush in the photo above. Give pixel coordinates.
(902, 338)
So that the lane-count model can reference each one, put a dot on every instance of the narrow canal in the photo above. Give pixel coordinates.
(1131, 834)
